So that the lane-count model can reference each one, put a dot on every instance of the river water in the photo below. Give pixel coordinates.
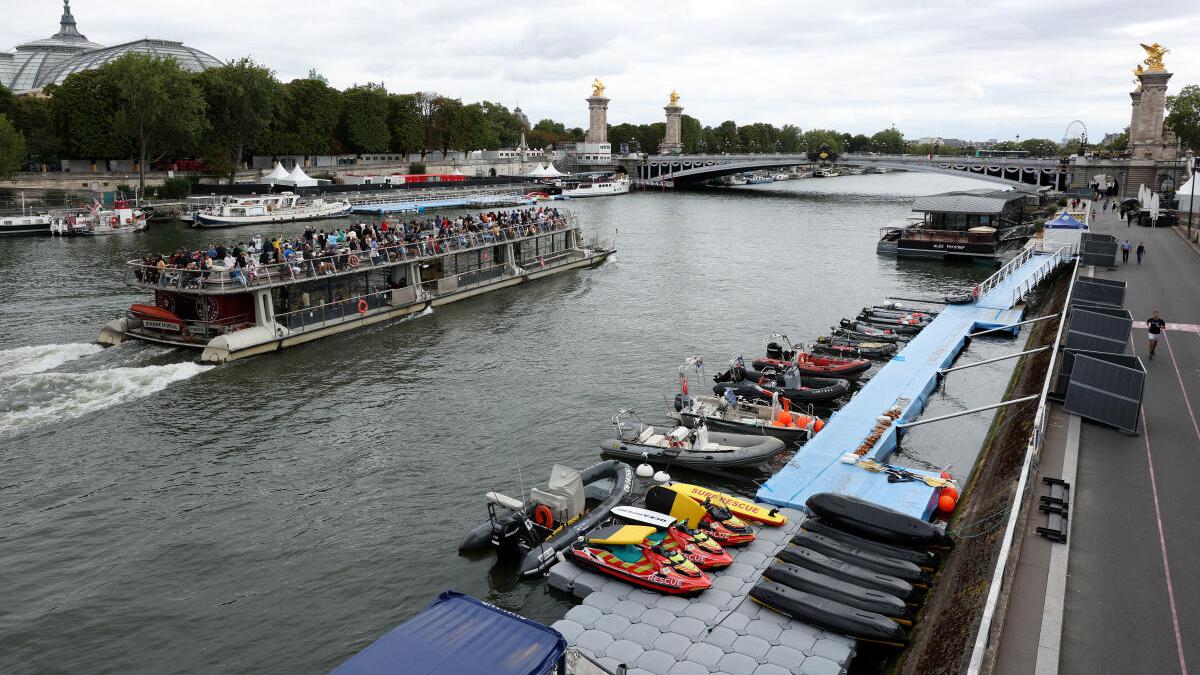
(279, 513)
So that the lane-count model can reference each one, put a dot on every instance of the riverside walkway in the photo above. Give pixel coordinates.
(1121, 595)
(904, 384)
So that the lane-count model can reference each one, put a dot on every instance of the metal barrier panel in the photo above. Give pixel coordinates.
(1099, 254)
(1097, 332)
(1100, 291)
(1107, 391)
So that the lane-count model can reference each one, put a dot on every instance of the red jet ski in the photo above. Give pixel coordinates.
(671, 534)
(715, 521)
(620, 551)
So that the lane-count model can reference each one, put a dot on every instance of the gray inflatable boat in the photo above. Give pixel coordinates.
(690, 448)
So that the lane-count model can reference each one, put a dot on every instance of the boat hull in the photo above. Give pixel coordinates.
(286, 216)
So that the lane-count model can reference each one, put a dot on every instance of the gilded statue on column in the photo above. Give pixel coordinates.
(597, 87)
(674, 97)
(1154, 57)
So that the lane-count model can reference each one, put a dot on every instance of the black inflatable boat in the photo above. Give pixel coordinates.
(809, 581)
(757, 385)
(840, 569)
(872, 521)
(681, 446)
(553, 518)
(830, 614)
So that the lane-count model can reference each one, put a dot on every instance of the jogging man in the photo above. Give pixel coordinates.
(1155, 325)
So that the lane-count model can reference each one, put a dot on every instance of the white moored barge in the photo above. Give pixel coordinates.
(231, 313)
(284, 207)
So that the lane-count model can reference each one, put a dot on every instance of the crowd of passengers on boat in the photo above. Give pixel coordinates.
(318, 252)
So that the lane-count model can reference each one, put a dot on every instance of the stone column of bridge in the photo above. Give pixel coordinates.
(597, 119)
(1147, 138)
(672, 143)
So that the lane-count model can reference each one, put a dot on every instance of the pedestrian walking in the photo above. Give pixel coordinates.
(1141, 251)
(1125, 251)
(1155, 327)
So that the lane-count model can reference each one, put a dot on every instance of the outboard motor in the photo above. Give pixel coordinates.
(774, 351)
(511, 536)
(682, 401)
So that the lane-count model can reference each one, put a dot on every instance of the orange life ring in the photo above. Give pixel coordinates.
(362, 306)
(543, 516)
(352, 261)
(114, 220)
(129, 221)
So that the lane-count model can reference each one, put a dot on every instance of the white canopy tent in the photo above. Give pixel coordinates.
(1188, 202)
(297, 178)
(276, 174)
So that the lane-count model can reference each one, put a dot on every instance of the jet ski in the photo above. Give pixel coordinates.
(535, 530)
(756, 385)
(621, 551)
(681, 446)
(671, 534)
(717, 521)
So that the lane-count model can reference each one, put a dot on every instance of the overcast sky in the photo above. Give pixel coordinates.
(975, 70)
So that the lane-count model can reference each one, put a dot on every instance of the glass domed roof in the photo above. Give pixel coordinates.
(38, 63)
(188, 58)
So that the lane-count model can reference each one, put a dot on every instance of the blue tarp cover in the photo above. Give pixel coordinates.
(459, 635)
(1065, 221)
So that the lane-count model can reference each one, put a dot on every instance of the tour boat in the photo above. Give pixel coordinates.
(34, 224)
(599, 187)
(284, 207)
(826, 173)
(758, 180)
(234, 313)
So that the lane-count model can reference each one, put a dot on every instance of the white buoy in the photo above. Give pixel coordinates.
(849, 458)
(662, 477)
(883, 419)
(645, 471)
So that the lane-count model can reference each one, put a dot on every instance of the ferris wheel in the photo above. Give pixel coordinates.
(1076, 129)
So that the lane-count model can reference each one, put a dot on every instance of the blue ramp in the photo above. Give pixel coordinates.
(905, 384)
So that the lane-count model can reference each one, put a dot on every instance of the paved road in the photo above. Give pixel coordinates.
(1133, 595)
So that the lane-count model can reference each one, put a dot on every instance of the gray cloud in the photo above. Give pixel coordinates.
(983, 69)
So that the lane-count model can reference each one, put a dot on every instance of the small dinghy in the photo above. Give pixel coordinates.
(964, 298)
(730, 413)
(865, 519)
(783, 355)
(862, 326)
(757, 385)
(535, 530)
(847, 347)
(621, 551)
(672, 534)
(838, 617)
(868, 333)
(681, 446)
(900, 312)
(899, 320)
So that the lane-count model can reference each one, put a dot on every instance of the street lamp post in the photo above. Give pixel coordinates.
(1191, 161)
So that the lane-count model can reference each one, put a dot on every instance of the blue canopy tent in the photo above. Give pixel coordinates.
(459, 635)
(1065, 221)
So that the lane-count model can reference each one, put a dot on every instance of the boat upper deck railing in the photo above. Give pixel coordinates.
(344, 261)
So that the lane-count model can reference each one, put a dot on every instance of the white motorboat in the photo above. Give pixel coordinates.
(124, 216)
(30, 224)
(597, 187)
(780, 176)
(826, 173)
(284, 207)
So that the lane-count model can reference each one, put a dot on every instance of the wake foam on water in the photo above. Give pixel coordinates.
(38, 399)
(40, 358)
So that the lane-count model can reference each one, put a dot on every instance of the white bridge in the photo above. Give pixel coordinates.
(691, 169)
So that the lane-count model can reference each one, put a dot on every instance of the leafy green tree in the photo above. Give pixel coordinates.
(307, 114)
(726, 137)
(624, 133)
(33, 116)
(450, 125)
(365, 118)
(815, 139)
(159, 107)
(429, 102)
(1183, 116)
(84, 109)
(12, 148)
(789, 139)
(1039, 147)
(478, 133)
(889, 141)
(691, 134)
(8, 102)
(501, 122)
(859, 143)
(239, 96)
(404, 120)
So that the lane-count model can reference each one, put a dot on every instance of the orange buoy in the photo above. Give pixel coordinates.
(783, 417)
(818, 425)
(946, 475)
(949, 490)
(946, 503)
